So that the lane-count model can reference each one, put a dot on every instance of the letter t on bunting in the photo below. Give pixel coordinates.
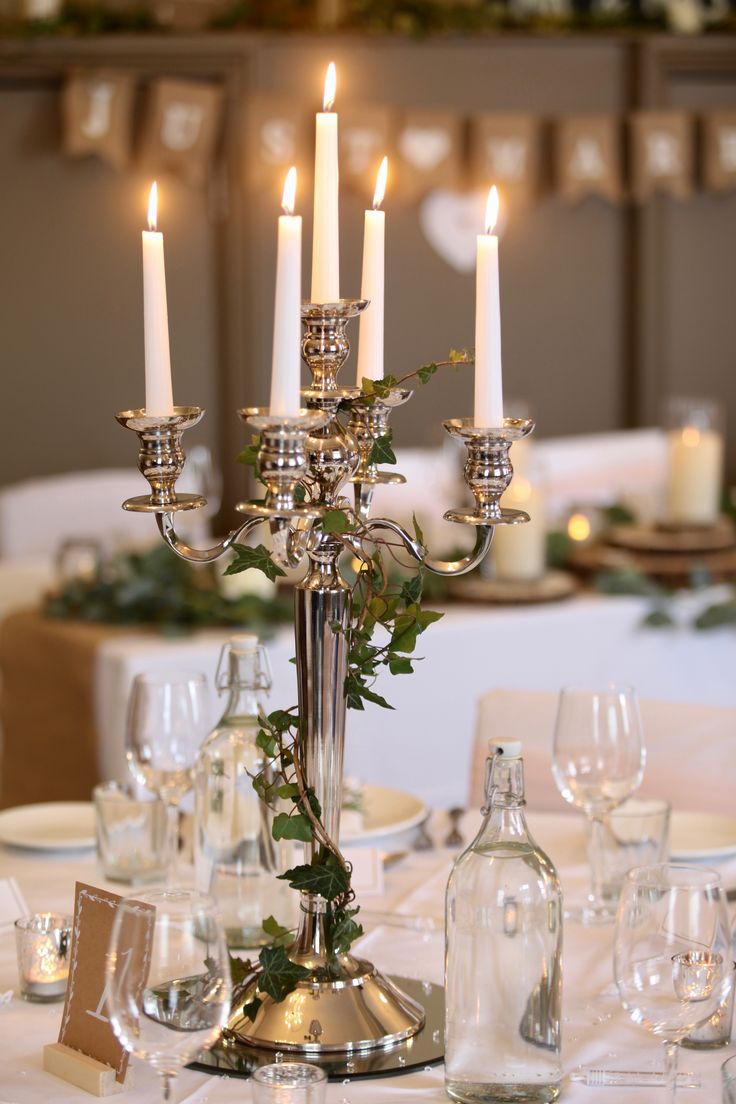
(719, 151)
(506, 149)
(97, 115)
(588, 157)
(662, 154)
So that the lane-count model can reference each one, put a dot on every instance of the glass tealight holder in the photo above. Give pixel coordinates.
(43, 944)
(289, 1083)
(695, 462)
(133, 841)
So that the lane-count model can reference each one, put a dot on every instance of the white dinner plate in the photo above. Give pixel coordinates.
(387, 814)
(695, 836)
(50, 826)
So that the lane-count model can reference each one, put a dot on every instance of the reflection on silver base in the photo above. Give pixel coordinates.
(485, 517)
(425, 1048)
(143, 504)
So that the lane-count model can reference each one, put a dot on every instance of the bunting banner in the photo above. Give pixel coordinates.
(662, 154)
(428, 152)
(588, 153)
(181, 128)
(97, 115)
(507, 149)
(276, 139)
(364, 136)
(719, 151)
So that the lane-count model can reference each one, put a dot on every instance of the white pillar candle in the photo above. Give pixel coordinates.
(159, 399)
(488, 383)
(370, 348)
(696, 465)
(325, 234)
(520, 551)
(286, 362)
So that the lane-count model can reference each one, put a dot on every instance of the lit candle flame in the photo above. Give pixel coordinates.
(330, 87)
(288, 198)
(690, 437)
(492, 210)
(380, 191)
(153, 207)
(578, 527)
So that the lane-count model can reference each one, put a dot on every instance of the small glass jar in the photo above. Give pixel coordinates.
(695, 450)
(43, 943)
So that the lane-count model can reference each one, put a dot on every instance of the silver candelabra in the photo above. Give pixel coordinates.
(320, 451)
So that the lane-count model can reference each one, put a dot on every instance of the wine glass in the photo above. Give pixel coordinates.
(170, 1001)
(167, 722)
(672, 960)
(597, 761)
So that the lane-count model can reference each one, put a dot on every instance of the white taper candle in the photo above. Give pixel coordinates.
(488, 377)
(159, 399)
(286, 363)
(325, 233)
(370, 348)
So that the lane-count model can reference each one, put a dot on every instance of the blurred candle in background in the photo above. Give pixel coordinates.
(520, 551)
(370, 349)
(325, 233)
(159, 399)
(488, 380)
(286, 362)
(695, 474)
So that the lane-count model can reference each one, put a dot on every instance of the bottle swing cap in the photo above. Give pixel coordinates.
(507, 749)
(244, 643)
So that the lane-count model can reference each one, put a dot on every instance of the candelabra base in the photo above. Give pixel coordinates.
(360, 1010)
(235, 1057)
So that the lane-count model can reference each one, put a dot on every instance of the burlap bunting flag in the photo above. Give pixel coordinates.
(277, 139)
(97, 115)
(588, 157)
(364, 141)
(506, 150)
(181, 128)
(719, 151)
(429, 152)
(662, 154)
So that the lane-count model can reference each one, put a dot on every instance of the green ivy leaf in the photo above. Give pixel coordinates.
(240, 969)
(460, 356)
(658, 619)
(381, 452)
(384, 387)
(300, 492)
(327, 877)
(404, 636)
(294, 826)
(400, 666)
(249, 455)
(281, 720)
(259, 557)
(290, 790)
(336, 521)
(343, 930)
(250, 1010)
(411, 590)
(280, 936)
(267, 743)
(279, 975)
(425, 373)
(417, 529)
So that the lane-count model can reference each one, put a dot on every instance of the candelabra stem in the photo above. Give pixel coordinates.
(483, 538)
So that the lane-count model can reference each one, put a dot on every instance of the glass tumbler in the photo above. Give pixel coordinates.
(133, 841)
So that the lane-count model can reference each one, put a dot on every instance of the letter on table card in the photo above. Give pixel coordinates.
(506, 150)
(589, 156)
(181, 128)
(85, 1023)
(662, 154)
(719, 150)
(97, 110)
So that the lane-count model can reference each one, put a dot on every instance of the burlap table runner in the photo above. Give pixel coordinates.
(49, 739)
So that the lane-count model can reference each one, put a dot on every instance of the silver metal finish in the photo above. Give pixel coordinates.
(305, 461)
(161, 458)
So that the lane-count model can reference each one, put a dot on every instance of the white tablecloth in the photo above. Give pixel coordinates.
(595, 1030)
(425, 744)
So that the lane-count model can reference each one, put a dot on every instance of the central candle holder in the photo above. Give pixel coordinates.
(337, 1017)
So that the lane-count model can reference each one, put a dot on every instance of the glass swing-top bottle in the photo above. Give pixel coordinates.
(236, 858)
(503, 973)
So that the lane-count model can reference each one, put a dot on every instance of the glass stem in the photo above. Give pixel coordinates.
(172, 812)
(670, 1070)
(166, 1080)
(597, 828)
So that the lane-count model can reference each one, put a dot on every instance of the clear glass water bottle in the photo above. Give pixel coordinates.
(236, 858)
(503, 972)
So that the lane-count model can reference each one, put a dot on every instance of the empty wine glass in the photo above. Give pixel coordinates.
(177, 1003)
(597, 762)
(672, 961)
(167, 722)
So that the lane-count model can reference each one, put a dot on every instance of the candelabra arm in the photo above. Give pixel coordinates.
(483, 538)
(201, 555)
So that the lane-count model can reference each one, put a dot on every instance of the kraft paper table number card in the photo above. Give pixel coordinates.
(88, 1054)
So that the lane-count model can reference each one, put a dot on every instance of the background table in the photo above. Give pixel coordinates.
(595, 1029)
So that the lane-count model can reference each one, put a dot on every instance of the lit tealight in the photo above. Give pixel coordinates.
(690, 437)
(579, 528)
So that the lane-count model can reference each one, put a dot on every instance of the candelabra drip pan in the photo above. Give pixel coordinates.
(161, 458)
(488, 469)
(232, 1057)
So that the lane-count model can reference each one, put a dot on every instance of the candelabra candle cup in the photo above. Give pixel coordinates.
(161, 458)
(43, 944)
(325, 344)
(488, 469)
(132, 835)
(282, 460)
(695, 442)
(289, 1083)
